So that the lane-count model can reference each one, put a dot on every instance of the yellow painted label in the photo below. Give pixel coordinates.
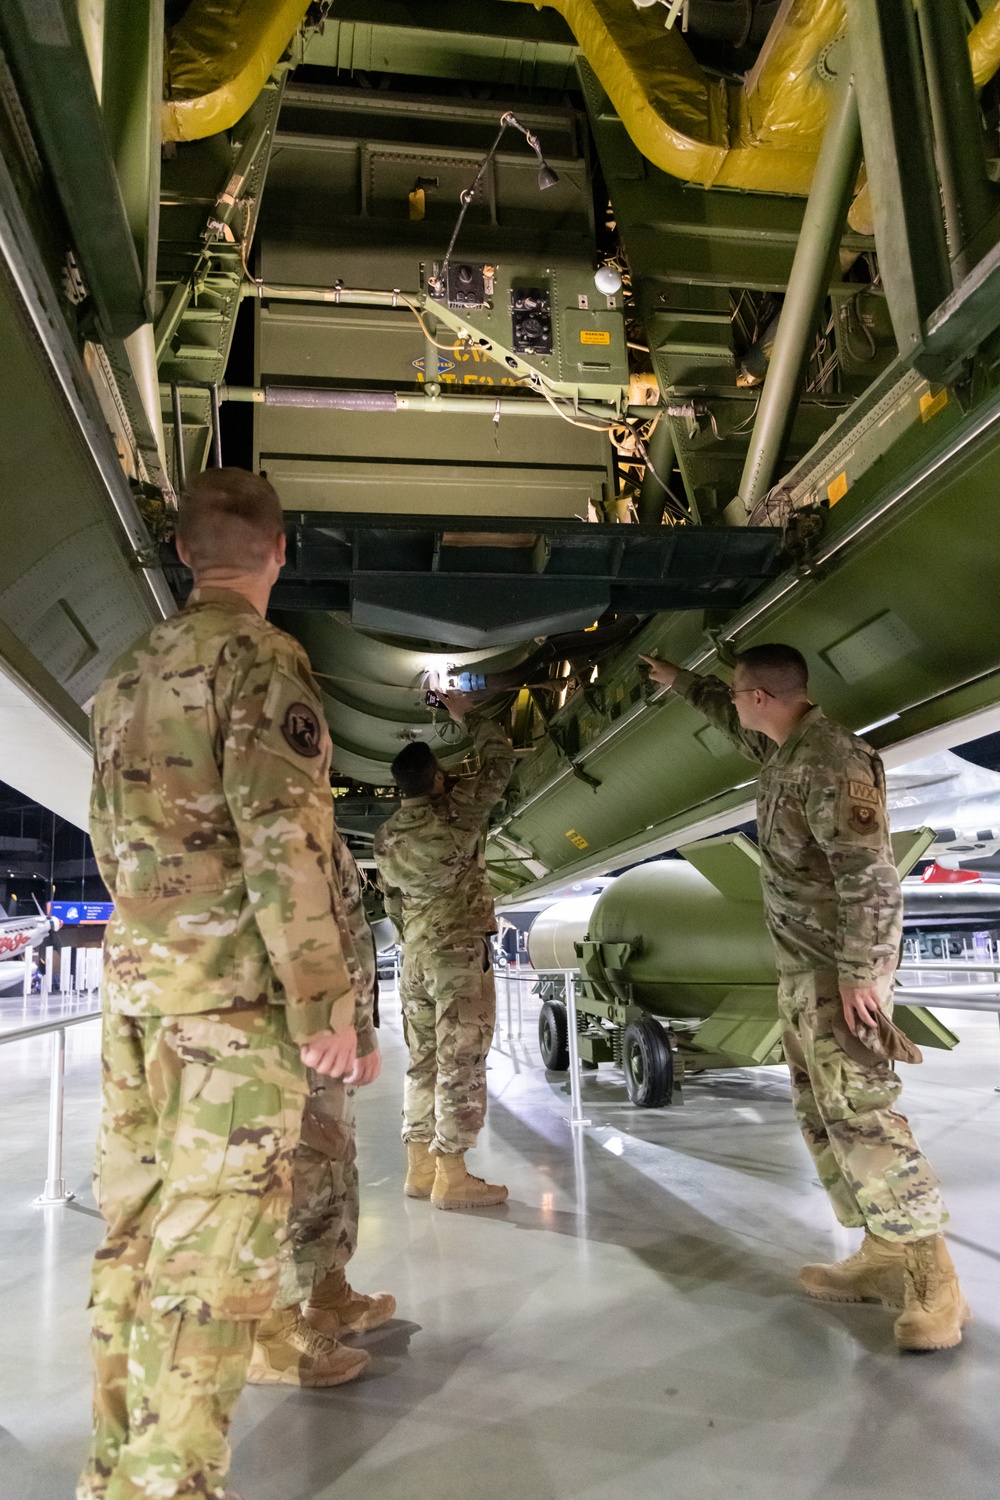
(577, 839)
(931, 402)
(837, 488)
(594, 336)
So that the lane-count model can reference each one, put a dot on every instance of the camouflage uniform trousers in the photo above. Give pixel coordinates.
(200, 1119)
(449, 1012)
(323, 1223)
(864, 1150)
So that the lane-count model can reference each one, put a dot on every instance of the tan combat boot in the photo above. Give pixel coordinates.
(454, 1187)
(420, 1170)
(873, 1274)
(335, 1307)
(288, 1352)
(936, 1312)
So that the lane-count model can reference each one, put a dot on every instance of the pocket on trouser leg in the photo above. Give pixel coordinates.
(186, 1375)
(904, 1203)
(221, 1249)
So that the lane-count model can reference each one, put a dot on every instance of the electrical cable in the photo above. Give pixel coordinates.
(448, 348)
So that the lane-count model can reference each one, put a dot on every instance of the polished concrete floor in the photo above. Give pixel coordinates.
(627, 1327)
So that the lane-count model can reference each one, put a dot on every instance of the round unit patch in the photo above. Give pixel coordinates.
(302, 730)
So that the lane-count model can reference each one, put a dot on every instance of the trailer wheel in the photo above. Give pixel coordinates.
(647, 1064)
(553, 1036)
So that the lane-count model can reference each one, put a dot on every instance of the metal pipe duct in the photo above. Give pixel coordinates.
(653, 495)
(321, 398)
(822, 226)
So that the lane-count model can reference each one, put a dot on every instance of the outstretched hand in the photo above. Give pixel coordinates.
(661, 672)
(457, 705)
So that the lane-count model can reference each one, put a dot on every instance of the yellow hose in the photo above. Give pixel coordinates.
(764, 136)
(218, 58)
(984, 46)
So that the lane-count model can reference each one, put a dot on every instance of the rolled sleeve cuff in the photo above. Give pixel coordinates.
(683, 682)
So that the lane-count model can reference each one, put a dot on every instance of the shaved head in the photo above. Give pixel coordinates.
(778, 670)
(228, 518)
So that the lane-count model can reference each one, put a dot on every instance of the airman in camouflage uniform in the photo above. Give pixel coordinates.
(431, 862)
(834, 908)
(323, 1222)
(212, 823)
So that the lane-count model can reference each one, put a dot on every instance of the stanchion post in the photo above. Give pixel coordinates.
(506, 985)
(55, 1187)
(29, 967)
(576, 1112)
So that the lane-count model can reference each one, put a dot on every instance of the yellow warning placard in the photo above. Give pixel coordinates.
(594, 336)
(837, 488)
(931, 402)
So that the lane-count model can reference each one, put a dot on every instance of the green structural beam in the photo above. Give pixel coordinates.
(822, 225)
(900, 162)
(46, 49)
(131, 91)
(968, 196)
(510, 46)
(876, 617)
(957, 328)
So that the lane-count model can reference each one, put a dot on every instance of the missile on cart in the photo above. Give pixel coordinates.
(675, 969)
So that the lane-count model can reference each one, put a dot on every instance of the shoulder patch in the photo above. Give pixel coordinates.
(301, 729)
(862, 791)
(863, 818)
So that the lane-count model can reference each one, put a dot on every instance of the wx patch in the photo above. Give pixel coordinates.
(862, 791)
(302, 730)
(863, 819)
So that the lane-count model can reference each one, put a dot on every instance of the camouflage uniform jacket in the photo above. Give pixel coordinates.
(431, 853)
(831, 891)
(212, 823)
(359, 945)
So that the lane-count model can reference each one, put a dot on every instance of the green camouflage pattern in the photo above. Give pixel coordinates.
(200, 1118)
(212, 822)
(431, 861)
(357, 942)
(323, 1223)
(323, 1220)
(431, 854)
(831, 892)
(449, 1013)
(865, 1154)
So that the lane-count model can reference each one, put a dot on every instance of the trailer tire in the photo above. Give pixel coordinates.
(648, 1064)
(553, 1036)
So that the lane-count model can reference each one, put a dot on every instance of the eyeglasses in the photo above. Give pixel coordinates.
(735, 692)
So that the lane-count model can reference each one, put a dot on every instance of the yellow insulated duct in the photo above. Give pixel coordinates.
(984, 46)
(218, 58)
(763, 135)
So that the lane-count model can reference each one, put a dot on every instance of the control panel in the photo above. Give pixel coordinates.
(540, 322)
